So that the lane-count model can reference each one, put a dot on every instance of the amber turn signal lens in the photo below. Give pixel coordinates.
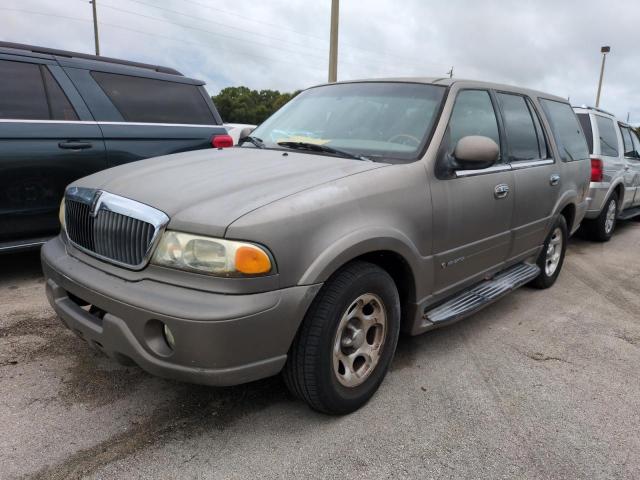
(252, 260)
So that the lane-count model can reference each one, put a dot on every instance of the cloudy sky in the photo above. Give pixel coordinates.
(549, 45)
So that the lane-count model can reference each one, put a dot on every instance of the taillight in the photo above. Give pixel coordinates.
(222, 141)
(597, 170)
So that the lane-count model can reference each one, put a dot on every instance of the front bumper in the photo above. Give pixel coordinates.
(219, 339)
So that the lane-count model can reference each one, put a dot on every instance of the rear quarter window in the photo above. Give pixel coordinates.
(566, 130)
(607, 136)
(150, 100)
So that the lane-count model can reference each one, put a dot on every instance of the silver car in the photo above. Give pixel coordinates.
(615, 172)
(358, 210)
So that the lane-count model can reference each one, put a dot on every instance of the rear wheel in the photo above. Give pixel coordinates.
(551, 257)
(601, 229)
(347, 340)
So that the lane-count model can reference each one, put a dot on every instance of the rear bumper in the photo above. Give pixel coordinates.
(598, 194)
(219, 339)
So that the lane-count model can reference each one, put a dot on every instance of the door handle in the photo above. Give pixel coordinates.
(554, 179)
(501, 191)
(627, 167)
(73, 145)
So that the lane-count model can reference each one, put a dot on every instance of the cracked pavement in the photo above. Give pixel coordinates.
(542, 384)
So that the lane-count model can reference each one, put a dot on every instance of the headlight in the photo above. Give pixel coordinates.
(61, 214)
(211, 255)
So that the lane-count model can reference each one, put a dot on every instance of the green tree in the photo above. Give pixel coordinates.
(243, 105)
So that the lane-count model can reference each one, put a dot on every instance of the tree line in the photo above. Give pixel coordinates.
(243, 105)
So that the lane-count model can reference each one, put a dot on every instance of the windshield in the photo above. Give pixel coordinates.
(376, 119)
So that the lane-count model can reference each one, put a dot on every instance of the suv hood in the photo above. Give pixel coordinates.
(204, 191)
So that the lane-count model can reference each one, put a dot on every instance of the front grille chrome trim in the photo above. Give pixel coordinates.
(116, 211)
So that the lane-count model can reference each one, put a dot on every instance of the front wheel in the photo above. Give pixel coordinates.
(551, 257)
(346, 341)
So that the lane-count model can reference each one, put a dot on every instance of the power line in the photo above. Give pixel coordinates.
(158, 35)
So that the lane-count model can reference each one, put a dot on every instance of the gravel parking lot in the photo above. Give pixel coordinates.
(543, 384)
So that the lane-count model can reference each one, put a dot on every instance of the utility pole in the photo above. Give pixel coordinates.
(333, 48)
(604, 51)
(95, 26)
(450, 72)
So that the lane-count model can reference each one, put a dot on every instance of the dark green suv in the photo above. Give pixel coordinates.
(66, 115)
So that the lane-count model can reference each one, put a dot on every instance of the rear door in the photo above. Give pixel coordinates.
(144, 117)
(536, 174)
(473, 210)
(47, 140)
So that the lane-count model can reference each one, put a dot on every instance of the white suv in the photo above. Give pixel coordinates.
(615, 172)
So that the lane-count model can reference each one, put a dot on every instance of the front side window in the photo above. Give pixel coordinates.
(519, 128)
(473, 114)
(636, 143)
(22, 94)
(608, 137)
(566, 130)
(59, 104)
(149, 100)
(389, 120)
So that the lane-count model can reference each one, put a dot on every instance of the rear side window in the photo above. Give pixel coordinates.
(608, 137)
(29, 92)
(150, 100)
(22, 94)
(636, 143)
(473, 114)
(566, 130)
(585, 123)
(59, 106)
(519, 128)
(629, 149)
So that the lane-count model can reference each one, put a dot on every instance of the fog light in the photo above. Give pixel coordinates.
(168, 337)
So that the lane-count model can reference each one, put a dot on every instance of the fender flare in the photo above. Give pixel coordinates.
(358, 243)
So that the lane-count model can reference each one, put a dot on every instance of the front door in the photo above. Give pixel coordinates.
(43, 147)
(633, 163)
(473, 210)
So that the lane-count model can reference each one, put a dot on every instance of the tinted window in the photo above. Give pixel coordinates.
(155, 101)
(585, 123)
(519, 128)
(566, 130)
(473, 114)
(542, 139)
(608, 137)
(629, 149)
(59, 104)
(22, 94)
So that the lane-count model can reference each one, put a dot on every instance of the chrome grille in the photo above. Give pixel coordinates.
(111, 227)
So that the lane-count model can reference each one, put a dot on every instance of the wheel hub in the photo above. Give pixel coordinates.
(359, 340)
(554, 252)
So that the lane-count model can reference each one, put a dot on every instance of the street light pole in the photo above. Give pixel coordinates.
(333, 48)
(604, 51)
(95, 26)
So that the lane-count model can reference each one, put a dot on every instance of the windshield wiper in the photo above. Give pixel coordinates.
(322, 148)
(253, 140)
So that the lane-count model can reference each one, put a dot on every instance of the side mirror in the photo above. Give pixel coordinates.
(475, 152)
(246, 131)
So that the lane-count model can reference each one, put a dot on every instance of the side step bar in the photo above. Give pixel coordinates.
(481, 295)
(629, 213)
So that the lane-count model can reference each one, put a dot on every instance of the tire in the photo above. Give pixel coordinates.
(313, 371)
(599, 229)
(548, 275)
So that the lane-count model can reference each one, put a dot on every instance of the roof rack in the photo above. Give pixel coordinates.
(65, 53)
(595, 109)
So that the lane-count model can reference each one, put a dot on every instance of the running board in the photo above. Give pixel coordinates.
(481, 295)
(629, 213)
